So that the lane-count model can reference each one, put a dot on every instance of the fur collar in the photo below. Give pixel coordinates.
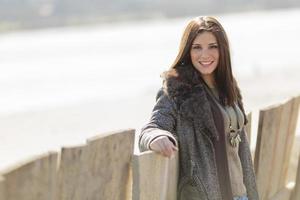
(184, 86)
(191, 101)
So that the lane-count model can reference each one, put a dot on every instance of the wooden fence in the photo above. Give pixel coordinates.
(276, 133)
(106, 167)
(100, 169)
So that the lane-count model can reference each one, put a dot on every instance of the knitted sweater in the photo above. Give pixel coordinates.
(233, 116)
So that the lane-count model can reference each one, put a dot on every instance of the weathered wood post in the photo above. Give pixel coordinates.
(154, 176)
(296, 192)
(98, 170)
(275, 137)
(34, 180)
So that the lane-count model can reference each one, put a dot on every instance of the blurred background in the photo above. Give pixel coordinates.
(74, 69)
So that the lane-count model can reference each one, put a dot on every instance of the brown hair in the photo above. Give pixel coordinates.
(225, 81)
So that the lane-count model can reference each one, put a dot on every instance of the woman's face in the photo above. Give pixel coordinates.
(205, 53)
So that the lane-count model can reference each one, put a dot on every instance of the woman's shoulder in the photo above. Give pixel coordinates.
(179, 81)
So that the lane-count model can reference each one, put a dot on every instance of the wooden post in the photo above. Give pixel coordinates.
(2, 188)
(33, 180)
(154, 176)
(276, 132)
(98, 170)
(296, 192)
(291, 131)
(265, 148)
(69, 173)
(280, 155)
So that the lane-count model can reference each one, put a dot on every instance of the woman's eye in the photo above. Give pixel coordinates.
(196, 47)
(214, 46)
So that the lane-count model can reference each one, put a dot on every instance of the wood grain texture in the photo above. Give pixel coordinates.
(276, 133)
(280, 149)
(265, 148)
(282, 194)
(34, 180)
(98, 170)
(296, 191)
(69, 172)
(2, 188)
(154, 176)
(295, 102)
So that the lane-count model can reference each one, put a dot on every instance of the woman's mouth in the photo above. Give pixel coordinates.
(206, 63)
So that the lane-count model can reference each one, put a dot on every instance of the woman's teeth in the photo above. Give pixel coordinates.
(206, 63)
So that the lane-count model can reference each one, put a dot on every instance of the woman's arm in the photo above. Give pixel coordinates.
(162, 122)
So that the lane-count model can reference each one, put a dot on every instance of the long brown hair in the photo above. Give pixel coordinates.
(225, 81)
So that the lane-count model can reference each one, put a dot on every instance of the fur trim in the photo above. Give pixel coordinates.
(190, 99)
(184, 86)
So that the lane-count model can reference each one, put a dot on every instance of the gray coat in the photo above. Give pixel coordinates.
(184, 113)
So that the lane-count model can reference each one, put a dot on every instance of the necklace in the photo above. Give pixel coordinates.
(234, 135)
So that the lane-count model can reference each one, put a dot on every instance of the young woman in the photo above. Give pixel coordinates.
(199, 112)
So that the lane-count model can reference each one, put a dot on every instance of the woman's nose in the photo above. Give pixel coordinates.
(205, 53)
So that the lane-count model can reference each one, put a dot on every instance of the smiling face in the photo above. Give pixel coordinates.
(204, 54)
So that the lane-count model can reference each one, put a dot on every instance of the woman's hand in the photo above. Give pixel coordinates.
(164, 146)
